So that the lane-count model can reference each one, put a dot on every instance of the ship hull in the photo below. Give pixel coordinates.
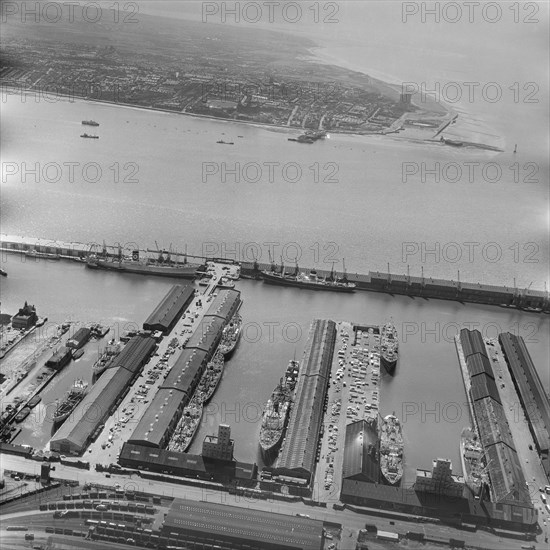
(276, 280)
(270, 452)
(389, 365)
(122, 267)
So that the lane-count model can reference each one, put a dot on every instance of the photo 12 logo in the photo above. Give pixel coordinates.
(470, 252)
(269, 172)
(469, 12)
(70, 12)
(277, 12)
(69, 172)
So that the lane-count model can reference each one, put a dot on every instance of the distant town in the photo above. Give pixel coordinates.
(301, 97)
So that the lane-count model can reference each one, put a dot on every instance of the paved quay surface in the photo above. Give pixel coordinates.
(121, 424)
(353, 395)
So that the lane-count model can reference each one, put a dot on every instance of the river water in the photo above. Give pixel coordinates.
(163, 178)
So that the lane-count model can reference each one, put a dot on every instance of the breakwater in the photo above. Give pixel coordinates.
(527, 299)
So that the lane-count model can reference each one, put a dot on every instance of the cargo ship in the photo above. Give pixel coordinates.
(212, 376)
(42, 255)
(471, 456)
(162, 267)
(391, 449)
(389, 347)
(90, 123)
(73, 398)
(231, 335)
(276, 413)
(312, 281)
(188, 424)
(309, 137)
(85, 135)
(106, 358)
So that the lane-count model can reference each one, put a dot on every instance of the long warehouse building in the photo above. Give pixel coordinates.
(532, 395)
(170, 309)
(299, 450)
(503, 464)
(161, 417)
(76, 432)
(210, 525)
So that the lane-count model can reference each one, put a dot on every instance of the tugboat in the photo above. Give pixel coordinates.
(231, 335)
(276, 413)
(73, 398)
(389, 347)
(312, 281)
(212, 376)
(391, 449)
(188, 424)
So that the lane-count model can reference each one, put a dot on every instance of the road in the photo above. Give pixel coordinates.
(351, 521)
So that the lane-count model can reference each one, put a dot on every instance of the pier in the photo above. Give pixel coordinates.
(527, 299)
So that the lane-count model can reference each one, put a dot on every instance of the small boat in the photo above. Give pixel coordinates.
(222, 142)
(3, 273)
(22, 414)
(77, 353)
(90, 123)
(85, 135)
(33, 401)
(43, 255)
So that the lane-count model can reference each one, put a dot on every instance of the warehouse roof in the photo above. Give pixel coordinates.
(478, 363)
(360, 450)
(531, 391)
(472, 342)
(492, 423)
(484, 386)
(207, 334)
(170, 307)
(93, 409)
(185, 369)
(225, 303)
(300, 445)
(258, 526)
(156, 420)
(134, 353)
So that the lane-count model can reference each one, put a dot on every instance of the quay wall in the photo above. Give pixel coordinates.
(423, 287)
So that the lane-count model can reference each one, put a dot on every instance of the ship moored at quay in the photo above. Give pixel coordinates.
(527, 299)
